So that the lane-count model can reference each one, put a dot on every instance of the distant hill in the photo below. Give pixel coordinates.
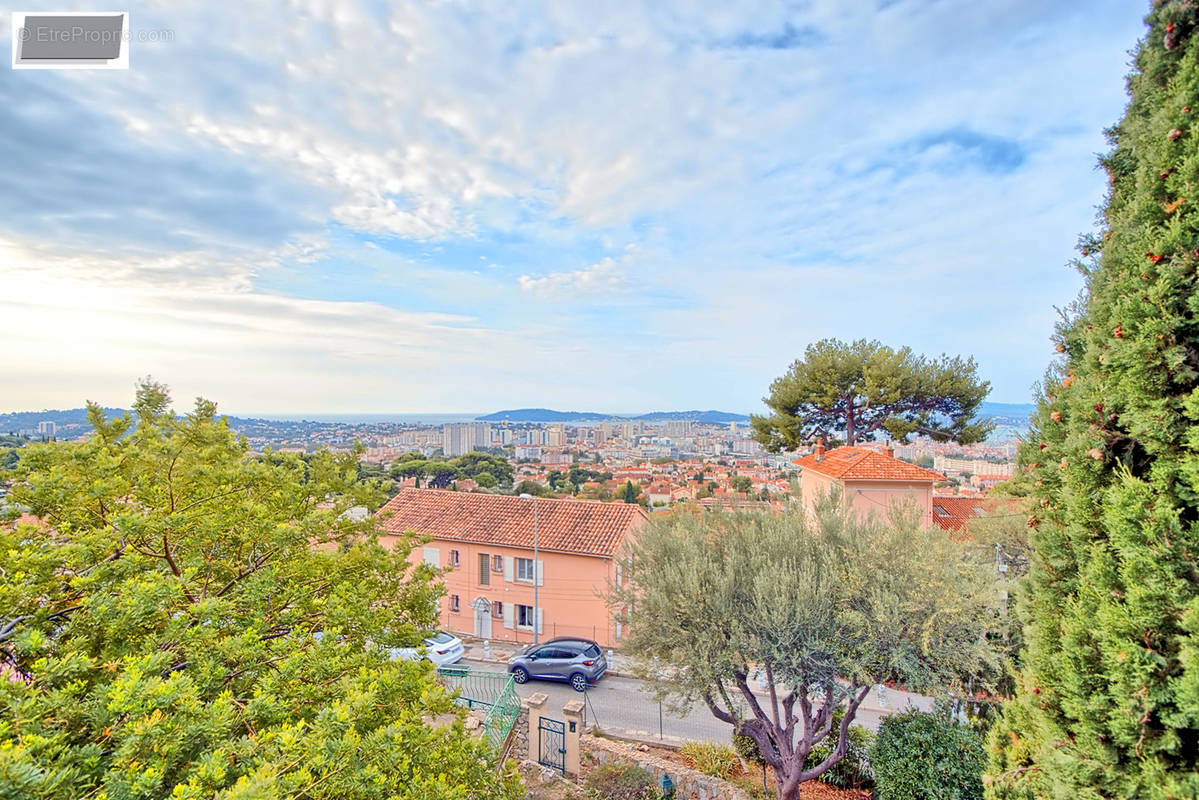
(550, 415)
(22, 420)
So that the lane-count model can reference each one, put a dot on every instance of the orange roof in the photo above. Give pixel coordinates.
(955, 513)
(862, 464)
(565, 526)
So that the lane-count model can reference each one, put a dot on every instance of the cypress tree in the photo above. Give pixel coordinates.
(1107, 698)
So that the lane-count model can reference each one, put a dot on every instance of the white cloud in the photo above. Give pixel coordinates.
(594, 282)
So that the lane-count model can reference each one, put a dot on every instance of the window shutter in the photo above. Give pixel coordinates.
(539, 572)
(509, 566)
(509, 615)
(432, 555)
(537, 615)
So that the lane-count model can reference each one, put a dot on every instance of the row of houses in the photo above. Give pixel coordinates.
(500, 585)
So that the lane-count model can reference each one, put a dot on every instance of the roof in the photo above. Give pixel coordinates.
(863, 464)
(566, 526)
(955, 513)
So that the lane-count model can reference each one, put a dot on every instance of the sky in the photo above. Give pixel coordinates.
(449, 207)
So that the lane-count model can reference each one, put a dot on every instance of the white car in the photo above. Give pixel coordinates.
(441, 648)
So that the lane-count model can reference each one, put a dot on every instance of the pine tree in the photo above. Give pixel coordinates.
(1107, 699)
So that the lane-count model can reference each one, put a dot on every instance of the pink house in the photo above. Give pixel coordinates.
(869, 481)
(486, 543)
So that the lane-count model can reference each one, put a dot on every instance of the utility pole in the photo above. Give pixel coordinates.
(536, 575)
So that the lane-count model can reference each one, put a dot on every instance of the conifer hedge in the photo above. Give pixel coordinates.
(1107, 699)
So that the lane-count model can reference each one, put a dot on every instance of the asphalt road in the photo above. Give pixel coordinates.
(620, 706)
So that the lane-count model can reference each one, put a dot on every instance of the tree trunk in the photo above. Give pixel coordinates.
(851, 434)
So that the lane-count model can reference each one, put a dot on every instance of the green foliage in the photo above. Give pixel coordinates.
(831, 606)
(617, 781)
(741, 483)
(854, 770)
(710, 758)
(630, 492)
(922, 756)
(1107, 702)
(747, 749)
(864, 387)
(532, 487)
(196, 622)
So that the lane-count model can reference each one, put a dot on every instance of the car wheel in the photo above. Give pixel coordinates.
(579, 682)
(520, 674)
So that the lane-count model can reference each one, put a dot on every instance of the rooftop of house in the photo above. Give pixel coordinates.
(566, 526)
(955, 513)
(863, 464)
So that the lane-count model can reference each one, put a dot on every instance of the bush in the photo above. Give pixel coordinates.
(918, 755)
(853, 771)
(710, 758)
(621, 782)
(747, 748)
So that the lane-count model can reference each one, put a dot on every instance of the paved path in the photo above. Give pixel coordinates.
(620, 706)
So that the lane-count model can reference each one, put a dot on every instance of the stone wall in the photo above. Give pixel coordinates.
(520, 734)
(689, 784)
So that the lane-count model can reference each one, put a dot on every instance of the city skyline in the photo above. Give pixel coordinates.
(655, 207)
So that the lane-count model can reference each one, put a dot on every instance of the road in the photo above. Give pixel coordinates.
(620, 706)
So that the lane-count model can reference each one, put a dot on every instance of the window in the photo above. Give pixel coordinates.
(524, 569)
(453, 602)
(484, 569)
(497, 564)
(453, 558)
(497, 609)
(524, 614)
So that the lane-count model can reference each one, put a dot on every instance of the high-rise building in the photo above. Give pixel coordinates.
(46, 429)
(463, 437)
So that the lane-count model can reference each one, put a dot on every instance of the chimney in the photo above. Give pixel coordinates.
(819, 451)
(889, 451)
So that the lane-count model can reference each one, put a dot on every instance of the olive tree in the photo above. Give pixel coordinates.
(823, 605)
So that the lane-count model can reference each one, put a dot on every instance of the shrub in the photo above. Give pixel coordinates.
(710, 758)
(917, 755)
(747, 748)
(853, 771)
(621, 782)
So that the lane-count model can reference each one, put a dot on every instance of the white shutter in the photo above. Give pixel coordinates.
(539, 572)
(509, 565)
(509, 615)
(537, 615)
(432, 555)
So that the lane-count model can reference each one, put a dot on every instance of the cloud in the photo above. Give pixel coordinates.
(594, 282)
(298, 208)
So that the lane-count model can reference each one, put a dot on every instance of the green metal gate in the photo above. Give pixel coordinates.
(551, 744)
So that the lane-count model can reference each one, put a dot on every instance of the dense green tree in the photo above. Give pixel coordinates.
(630, 492)
(741, 483)
(1108, 697)
(863, 388)
(470, 465)
(532, 487)
(826, 607)
(195, 622)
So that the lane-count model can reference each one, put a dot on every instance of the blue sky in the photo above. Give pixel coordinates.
(323, 206)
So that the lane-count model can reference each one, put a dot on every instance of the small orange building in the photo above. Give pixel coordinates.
(869, 481)
(486, 543)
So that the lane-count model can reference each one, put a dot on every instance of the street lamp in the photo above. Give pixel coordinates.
(536, 594)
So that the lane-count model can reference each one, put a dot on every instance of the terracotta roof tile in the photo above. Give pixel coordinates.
(955, 513)
(862, 464)
(566, 526)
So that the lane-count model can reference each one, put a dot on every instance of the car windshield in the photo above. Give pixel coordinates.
(592, 651)
(441, 637)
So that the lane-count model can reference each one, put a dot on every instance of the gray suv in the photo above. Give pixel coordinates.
(580, 662)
